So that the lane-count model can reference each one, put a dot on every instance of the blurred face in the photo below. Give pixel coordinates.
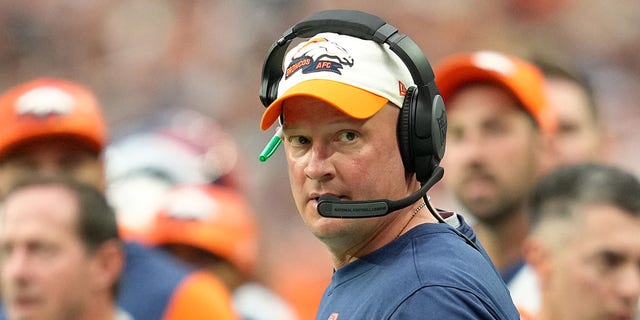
(597, 275)
(52, 156)
(492, 151)
(44, 266)
(579, 136)
(329, 152)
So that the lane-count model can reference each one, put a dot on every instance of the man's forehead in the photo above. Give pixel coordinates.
(40, 205)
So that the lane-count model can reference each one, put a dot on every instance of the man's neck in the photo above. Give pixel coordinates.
(101, 309)
(503, 241)
(394, 227)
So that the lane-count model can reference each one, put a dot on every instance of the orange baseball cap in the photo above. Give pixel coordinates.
(213, 218)
(47, 108)
(523, 79)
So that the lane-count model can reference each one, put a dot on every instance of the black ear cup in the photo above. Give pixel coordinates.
(403, 129)
(438, 127)
(426, 135)
(422, 128)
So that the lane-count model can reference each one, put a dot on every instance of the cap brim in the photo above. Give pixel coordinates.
(353, 101)
(13, 143)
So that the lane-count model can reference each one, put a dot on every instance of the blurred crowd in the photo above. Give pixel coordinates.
(196, 64)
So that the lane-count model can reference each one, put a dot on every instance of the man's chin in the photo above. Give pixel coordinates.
(481, 208)
(329, 230)
(23, 311)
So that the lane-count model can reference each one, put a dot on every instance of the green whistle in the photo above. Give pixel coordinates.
(271, 147)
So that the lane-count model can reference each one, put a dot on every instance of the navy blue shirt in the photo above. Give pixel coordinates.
(428, 273)
(149, 281)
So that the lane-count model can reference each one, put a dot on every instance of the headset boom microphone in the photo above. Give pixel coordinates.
(332, 207)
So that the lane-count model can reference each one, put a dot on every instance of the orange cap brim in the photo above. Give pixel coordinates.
(353, 101)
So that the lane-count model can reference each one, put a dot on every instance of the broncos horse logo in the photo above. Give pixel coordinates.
(45, 101)
(319, 54)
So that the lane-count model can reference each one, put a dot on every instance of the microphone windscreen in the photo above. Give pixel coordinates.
(331, 207)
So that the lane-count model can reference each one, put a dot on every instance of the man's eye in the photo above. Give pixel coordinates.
(611, 260)
(44, 250)
(5, 250)
(348, 136)
(496, 128)
(298, 140)
(456, 134)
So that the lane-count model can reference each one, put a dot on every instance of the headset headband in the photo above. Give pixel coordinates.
(353, 23)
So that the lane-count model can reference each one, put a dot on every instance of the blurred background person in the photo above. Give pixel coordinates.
(582, 134)
(176, 146)
(52, 126)
(184, 147)
(584, 244)
(213, 228)
(498, 144)
(60, 253)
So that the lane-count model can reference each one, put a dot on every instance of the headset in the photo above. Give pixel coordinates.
(422, 123)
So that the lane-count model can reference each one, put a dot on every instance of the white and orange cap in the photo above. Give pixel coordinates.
(523, 79)
(50, 107)
(356, 76)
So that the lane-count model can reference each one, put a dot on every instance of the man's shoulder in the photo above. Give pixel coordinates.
(149, 280)
(154, 267)
(442, 255)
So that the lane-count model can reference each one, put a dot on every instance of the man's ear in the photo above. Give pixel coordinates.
(539, 257)
(107, 265)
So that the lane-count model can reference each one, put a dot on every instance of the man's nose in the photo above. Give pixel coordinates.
(319, 165)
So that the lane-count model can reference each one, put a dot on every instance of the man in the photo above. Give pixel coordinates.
(213, 228)
(582, 135)
(61, 257)
(498, 144)
(55, 127)
(584, 244)
(340, 103)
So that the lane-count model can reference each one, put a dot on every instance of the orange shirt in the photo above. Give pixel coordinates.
(200, 296)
